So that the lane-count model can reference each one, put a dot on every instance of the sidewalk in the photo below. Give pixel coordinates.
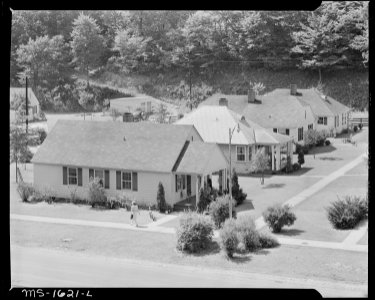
(315, 187)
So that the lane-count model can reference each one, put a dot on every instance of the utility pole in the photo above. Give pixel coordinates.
(230, 167)
(27, 109)
(230, 175)
(191, 106)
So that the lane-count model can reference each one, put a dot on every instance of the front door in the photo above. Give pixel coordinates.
(188, 185)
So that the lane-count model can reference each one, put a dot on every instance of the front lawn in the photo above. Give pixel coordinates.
(290, 261)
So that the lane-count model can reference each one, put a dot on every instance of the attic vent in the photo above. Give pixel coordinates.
(242, 118)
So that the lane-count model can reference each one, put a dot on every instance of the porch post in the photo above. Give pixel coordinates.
(273, 157)
(277, 157)
(196, 190)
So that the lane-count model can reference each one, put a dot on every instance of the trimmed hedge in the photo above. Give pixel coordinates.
(195, 232)
(229, 238)
(278, 216)
(219, 210)
(247, 233)
(348, 212)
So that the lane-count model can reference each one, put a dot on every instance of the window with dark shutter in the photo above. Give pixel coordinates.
(287, 131)
(106, 179)
(79, 176)
(118, 180)
(91, 174)
(135, 181)
(65, 175)
(275, 130)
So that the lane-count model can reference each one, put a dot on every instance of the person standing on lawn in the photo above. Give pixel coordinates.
(134, 212)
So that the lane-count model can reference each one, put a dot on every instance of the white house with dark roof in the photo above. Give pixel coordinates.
(213, 124)
(330, 115)
(129, 158)
(34, 106)
(280, 112)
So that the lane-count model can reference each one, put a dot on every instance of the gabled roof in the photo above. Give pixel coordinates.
(276, 110)
(213, 124)
(320, 104)
(115, 145)
(22, 92)
(202, 158)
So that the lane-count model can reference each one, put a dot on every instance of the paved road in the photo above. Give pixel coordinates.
(35, 267)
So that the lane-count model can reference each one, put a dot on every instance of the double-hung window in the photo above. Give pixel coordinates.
(126, 180)
(310, 126)
(240, 153)
(72, 176)
(300, 134)
(320, 120)
(275, 130)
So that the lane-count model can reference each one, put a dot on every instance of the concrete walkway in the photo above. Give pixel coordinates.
(305, 194)
(356, 234)
(169, 230)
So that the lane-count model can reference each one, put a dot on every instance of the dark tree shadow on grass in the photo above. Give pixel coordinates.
(290, 232)
(330, 158)
(273, 185)
(212, 248)
(240, 258)
(321, 149)
(246, 205)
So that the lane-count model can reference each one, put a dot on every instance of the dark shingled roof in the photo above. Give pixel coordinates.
(136, 146)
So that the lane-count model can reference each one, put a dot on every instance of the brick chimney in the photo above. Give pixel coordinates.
(293, 89)
(223, 102)
(250, 95)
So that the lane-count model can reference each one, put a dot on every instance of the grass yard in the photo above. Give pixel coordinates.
(312, 222)
(285, 260)
(364, 239)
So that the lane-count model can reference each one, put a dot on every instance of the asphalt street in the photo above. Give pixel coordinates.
(36, 267)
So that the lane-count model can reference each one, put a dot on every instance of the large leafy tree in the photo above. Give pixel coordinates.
(46, 62)
(325, 41)
(87, 43)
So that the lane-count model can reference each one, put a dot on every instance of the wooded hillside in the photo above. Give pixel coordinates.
(214, 49)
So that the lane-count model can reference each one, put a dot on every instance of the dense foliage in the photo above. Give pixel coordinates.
(278, 216)
(195, 232)
(348, 212)
(51, 46)
(160, 198)
(219, 210)
(96, 193)
(237, 192)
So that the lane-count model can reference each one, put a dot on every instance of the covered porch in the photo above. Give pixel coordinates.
(195, 171)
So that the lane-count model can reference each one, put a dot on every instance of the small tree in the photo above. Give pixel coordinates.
(18, 145)
(205, 198)
(301, 157)
(237, 192)
(161, 113)
(96, 193)
(160, 198)
(260, 162)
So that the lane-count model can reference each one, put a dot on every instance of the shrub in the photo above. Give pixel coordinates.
(321, 137)
(301, 158)
(305, 149)
(205, 198)
(237, 192)
(113, 203)
(42, 135)
(247, 233)
(96, 193)
(327, 142)
(160, 198)
(347, 213)
(194, 233)
(355, 128)
(278, 216)
(25, 190)
(298, 148)
(219, 210)
(289, 166)
(228, 237)
(310, 137)
(360, 126)
(296, 166)
(267, 241)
